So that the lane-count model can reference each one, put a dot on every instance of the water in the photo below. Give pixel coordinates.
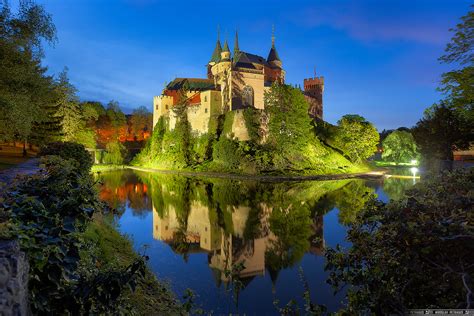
(240, 245)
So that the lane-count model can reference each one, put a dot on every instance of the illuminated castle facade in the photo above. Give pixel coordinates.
(234, 82)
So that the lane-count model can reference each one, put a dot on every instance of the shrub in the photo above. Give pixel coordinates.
(49, 213)
(69, 150)
(115, 153)
(413, 252)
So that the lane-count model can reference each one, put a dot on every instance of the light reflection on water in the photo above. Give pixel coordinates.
(204, 234)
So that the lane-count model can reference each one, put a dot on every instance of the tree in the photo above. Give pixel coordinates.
(410, 253)
(442, 130)
(399, 146)
(25, 89)
(141, 121)
(115, 153)
(68, 108)
(356, 137)
(458, 84)
(289, 123)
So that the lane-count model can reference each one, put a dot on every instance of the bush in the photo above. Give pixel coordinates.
(49, 213)
(69, 150)
(115, 153)
(413, 252)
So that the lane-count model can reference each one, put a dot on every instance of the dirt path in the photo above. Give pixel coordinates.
(28, 167)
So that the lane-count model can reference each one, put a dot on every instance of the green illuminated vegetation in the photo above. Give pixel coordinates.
(78, 262)
(400, 147)
(288, 143)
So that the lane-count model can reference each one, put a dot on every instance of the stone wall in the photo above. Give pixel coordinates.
(13, 279)
(238, 126)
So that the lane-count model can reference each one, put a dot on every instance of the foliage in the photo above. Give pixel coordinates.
(292, 227)
(356, 137)
(115, 153)
(25, 89)
(448, 125)
(440, 131)
(458, 84)
(141, 120)
(289, 123)
(252, 123)
(68, 150)
(399, 146)
(282, 140)
(403, 250)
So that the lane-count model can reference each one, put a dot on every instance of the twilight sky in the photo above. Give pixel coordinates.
(379, 58)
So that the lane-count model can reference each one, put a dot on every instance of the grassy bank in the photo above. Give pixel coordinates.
(101, 168)
(113, 251)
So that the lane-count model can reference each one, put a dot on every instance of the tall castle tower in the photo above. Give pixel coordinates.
(313, 91)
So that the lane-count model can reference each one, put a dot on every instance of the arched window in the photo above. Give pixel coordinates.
(247, 96)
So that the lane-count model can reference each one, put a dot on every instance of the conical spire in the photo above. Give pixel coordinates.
(226, 47)
(236, 44)
(273, 55)
(216, 55)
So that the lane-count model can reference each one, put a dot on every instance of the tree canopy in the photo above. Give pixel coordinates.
(357, 137)
(399, 146)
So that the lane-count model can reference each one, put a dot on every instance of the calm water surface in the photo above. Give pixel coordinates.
(239, 245)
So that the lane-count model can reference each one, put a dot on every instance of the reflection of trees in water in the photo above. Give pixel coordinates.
(396, 187)
(259, 226)
(120, 187)
(349, 199)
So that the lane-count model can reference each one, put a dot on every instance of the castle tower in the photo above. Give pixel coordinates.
(273, 59)
(236, 44)
(225, 54)
(216, 56)
(313, 91)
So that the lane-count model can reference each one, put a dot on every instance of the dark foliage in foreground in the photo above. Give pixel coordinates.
(68, 150)
(48, 213)
(411, 253)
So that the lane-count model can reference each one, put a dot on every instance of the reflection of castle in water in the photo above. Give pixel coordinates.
(227, 248)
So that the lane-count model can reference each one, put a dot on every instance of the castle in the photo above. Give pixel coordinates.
(234, 82)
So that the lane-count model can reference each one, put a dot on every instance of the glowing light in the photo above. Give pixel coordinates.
(414, 171)
(414, 162)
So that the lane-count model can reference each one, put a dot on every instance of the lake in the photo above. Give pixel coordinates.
(240, 246)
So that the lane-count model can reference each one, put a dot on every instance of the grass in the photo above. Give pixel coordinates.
(380, 163)
(101, 168)
(151, 297)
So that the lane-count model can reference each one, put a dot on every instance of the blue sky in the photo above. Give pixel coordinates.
(379, 58)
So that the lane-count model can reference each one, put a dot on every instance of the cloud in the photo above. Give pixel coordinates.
(368, 23)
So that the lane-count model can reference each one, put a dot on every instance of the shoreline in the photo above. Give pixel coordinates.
(266, 178)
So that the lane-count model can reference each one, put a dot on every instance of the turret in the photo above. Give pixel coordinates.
(215, 58)
(273, 59)
(216, 55)
(236, 44)
(225, 54)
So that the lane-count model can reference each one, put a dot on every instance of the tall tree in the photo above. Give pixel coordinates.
(458, 84)
(141, 121)
(68, 111)
(356, 137)
(399, 146)
(449, 125)
(24, 87)
(442, 130)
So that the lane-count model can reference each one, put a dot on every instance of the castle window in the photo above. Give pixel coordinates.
(205, 110)
(205, 99)
(167, 106)
(247, 96)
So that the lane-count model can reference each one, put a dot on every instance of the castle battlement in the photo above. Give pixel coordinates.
(309, 83)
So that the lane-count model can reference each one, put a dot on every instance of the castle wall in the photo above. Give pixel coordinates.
(238, 126)
(241, 79)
